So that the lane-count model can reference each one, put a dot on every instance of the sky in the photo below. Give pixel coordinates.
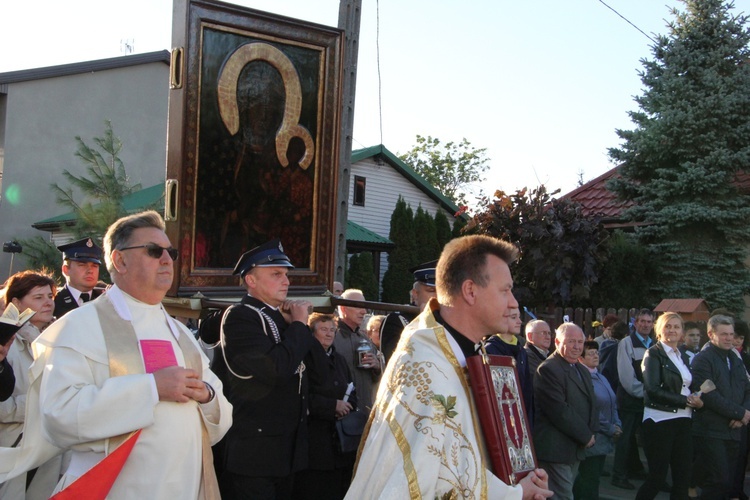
(541, 85)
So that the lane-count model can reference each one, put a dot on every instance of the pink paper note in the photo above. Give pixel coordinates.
(157, 354)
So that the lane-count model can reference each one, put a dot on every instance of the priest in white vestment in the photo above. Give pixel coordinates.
(119, 364)
(423, 439)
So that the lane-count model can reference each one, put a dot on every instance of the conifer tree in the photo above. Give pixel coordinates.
(626, 277)
(362, 275)
(425, 235)
(101, 192)
(678, 165)
(442, 229)
(397, 280)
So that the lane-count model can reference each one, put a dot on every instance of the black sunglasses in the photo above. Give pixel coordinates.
(155, 251)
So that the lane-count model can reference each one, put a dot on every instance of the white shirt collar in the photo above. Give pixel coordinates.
(75, 293)
(118, 299)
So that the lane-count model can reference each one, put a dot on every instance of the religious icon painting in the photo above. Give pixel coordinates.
(502, 415)
(254, 119)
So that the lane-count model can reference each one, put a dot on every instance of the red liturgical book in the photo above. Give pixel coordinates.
(157, 354)
(502, 415)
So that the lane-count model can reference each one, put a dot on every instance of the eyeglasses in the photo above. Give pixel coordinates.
(155, 251)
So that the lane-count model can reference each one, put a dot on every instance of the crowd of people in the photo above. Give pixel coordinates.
(271, 400)
(661, 384)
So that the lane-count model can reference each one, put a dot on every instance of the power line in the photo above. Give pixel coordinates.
(628, 21)
(377, 50)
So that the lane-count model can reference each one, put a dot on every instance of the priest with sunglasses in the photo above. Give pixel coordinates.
(125, 387)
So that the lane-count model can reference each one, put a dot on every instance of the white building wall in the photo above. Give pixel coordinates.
(383, 187)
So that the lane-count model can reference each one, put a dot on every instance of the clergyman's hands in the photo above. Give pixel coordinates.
(180, 385)
(534, 485)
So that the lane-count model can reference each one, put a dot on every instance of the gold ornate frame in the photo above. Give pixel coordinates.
(252, 148)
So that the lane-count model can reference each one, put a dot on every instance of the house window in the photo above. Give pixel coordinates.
(359, 191)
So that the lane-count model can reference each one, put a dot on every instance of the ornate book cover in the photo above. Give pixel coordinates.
(502, 415)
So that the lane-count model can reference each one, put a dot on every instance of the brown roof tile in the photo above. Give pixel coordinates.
(596, 199)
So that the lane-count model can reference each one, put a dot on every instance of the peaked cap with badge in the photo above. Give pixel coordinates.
(84, 250)
(269, 254)
(425, 272)
(394, 323)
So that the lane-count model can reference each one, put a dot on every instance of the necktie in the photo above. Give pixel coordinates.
(85, 297)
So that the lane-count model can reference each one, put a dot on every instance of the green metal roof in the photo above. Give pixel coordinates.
(154, 195)
(406, 171)
(359, 234)
(135, 202)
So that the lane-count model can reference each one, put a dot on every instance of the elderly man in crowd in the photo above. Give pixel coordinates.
(567, 418)
(538, 341)
(105, 371)
(423, 439)
(366, 371)
(716, 427)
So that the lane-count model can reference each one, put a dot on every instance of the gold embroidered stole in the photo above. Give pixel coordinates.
(124, 357)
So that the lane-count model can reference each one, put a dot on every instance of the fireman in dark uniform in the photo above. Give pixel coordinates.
(264, 340)
(81, 261)
(421, 293)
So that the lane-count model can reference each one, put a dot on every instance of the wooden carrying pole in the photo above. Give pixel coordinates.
(327, 304)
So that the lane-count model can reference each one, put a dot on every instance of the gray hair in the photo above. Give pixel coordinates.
(531, 324)
(562, 330)
(347, 294)
(119, 233)
(719, 319)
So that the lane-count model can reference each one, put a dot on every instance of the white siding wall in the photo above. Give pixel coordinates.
(384, 185)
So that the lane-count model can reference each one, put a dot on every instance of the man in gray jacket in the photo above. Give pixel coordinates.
(630, 352)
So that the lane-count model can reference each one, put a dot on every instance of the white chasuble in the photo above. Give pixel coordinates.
(423, 439)
(82, 406)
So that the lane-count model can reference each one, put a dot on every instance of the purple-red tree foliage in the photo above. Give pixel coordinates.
(561, 248)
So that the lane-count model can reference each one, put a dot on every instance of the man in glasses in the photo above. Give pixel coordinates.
(81, 261)
(264, 340)
(122, 364)
(538, 341)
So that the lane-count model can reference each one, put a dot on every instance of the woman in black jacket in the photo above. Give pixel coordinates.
(329, 471)
(668, 410)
